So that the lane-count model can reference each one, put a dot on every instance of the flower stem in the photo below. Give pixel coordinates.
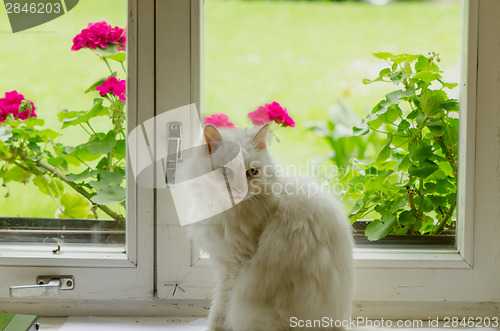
(106, 61)
(79, 189)
(445, 219)
(117, 217)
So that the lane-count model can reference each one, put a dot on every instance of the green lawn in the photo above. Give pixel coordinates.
(308, 55)
(39, 63)
(304, 55)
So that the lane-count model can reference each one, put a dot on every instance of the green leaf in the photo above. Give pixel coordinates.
(406, 218)
(448, 85)
(4, 148)
(360, 131)
(380, 228)
(444, 187)
(79, 154)
(403, 125)
(93, 86)
(430, 187)
(424, 170)
(382, 55)
(33, 121)
(404, 57)
(450, 105)
(70, 118)
(16, 174)
(49, 187)
(446, 168)
(427, 76)
(111, 178)
(120, 149)
(5, 133)
(437, 200)
(108, 188)
(421, 152)
(385, 153)
(392, 114)
(383, 73)
(87, 173)
(435, 126)
(73, 206)
(387, 165)
(48, 133)
(109, 195)
(423, 63)
(104, 145)
(57, 161)
(118, 57)
(110, 50)
(393, 97)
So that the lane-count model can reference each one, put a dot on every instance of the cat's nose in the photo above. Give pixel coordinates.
(239, 189)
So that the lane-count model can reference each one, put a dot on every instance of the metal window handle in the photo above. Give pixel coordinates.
(45, 286)
(174, 152)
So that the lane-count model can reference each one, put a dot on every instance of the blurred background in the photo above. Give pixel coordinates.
(310, 56)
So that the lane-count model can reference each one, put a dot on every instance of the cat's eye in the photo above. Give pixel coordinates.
(252, 172)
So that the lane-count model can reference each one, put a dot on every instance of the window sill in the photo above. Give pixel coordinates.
(409, 258)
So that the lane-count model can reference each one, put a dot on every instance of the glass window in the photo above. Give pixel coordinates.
(312, 58)
(63, 126)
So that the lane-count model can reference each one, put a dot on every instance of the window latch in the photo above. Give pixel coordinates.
(174, 152)
(45, 286)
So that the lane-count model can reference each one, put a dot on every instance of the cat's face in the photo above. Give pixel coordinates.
(257, 170)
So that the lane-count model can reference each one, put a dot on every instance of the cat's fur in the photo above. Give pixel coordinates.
(276, 255)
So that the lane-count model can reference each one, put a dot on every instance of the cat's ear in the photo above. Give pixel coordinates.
(212, 137)
(260, 138)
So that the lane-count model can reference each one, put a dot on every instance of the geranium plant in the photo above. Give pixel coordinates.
(82, 178)
(411, 187)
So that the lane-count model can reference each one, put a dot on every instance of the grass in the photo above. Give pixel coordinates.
(308, 55)
(39, 63)
(305, 55)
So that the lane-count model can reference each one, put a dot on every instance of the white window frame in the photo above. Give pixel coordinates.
(100, 273)
(390, 283)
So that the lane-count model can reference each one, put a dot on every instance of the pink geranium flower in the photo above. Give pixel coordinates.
(15, 104)
(99, 34)
(219, 121)
(123, 41)
(271, 112)
(115, 86)
(260, 116)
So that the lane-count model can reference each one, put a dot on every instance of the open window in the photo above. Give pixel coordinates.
(108, 256)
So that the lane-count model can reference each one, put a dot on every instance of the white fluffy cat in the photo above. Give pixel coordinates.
(284, 253)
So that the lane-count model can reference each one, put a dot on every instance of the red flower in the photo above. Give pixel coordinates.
(99, 34)
(123, 41)
(271, 112)
(219, 121)
(15, 104)
(115, 86)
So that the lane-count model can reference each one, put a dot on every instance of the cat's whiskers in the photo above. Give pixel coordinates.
(261, 202)
(270, 199)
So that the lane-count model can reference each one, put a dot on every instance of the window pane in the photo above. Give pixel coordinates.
(63, 169)
(311, 57)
